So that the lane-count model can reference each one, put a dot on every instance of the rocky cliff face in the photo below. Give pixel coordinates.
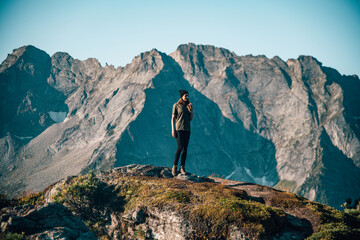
(299, 106)
(291, 124)
(28, 104)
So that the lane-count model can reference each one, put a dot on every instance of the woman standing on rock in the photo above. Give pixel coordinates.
(183, 113)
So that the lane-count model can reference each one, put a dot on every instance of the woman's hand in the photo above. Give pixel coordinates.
(173, 133)
(189, 106)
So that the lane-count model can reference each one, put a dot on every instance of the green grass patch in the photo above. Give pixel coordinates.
(287, 200)
(327, 214)
(334, 224)
(353, 212)
(332, 231)
(177, 195)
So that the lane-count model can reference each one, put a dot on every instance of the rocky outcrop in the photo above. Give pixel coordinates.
(291, 124)
(146, 202)
(49, 221)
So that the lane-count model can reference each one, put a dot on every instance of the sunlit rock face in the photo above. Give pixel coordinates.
(294, 124)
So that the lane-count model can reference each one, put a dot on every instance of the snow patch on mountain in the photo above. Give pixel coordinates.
(262, 180)
(57, 116)
(23, 138)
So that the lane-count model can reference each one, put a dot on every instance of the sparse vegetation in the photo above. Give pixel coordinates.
(334, 224)
(11, 236)
(91, 200)
(287, 200)
(32, 199)
(140, 233)
(332, 231)
(212, 210)
(352, 208)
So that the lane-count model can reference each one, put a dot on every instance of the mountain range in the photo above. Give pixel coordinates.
(294, 125)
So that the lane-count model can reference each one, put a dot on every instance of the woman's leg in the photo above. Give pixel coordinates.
(185, 143)
(179, 146)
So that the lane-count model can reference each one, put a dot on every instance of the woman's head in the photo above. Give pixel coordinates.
(184, 95)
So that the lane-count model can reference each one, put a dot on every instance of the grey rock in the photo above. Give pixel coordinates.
(158, 223)
(58, 233)
(235, 233)
(192, 177)
(168, 225)
(113, 229)
(53, 189)
(48, 221)
(156, 171)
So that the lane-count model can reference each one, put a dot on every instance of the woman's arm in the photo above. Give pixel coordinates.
(173, 132)
(190, 108)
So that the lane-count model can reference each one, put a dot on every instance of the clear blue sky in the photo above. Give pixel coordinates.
(116, 31)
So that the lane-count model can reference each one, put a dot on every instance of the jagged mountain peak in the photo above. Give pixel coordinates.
(149, 60)
(309, 60)
(92, 62)
(62, 55)
(148, 54)
(30, 49)
(208, 50)
(28, 53)
(26, 97)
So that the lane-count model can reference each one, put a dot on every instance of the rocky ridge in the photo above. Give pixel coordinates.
(292, 124)
(48, 221)
(146, 202)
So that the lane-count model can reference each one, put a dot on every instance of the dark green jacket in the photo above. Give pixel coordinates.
(183, 117)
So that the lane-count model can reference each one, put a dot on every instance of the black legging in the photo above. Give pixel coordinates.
(182, 140)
